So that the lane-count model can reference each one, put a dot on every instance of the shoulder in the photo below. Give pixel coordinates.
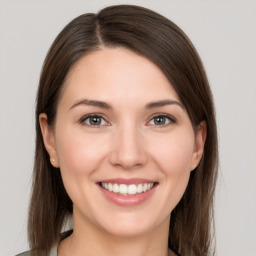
(53, 251)
(24, 254)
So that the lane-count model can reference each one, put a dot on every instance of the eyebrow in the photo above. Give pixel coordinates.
(162, 103)
(104, 105)
(95, 103)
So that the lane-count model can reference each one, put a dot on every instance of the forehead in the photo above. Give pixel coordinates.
(111, 74)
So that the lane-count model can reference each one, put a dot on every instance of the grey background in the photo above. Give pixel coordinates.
(224, 32)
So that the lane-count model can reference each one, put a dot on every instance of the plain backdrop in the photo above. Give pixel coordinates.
(224, 33)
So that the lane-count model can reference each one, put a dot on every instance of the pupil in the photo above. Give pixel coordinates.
(95, 120)
(159, 120)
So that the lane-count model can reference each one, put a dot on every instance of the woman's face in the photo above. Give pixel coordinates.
(120, 126)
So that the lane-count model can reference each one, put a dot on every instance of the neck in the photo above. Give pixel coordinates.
(90, 240)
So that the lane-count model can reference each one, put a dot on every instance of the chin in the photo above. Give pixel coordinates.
(128, 231)
(131, 225)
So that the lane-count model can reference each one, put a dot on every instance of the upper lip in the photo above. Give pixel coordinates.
(127, 181)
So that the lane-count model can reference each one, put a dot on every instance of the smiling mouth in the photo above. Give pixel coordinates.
(128, 190)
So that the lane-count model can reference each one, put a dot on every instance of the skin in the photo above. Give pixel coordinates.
(128, 143)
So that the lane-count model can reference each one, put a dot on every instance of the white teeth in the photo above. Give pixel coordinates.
(139, 188)
(106, 186)
(132, 189)
(124, 189)
(115, 188)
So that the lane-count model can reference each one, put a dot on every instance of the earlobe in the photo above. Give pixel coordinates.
(49, 140)
(200, 138)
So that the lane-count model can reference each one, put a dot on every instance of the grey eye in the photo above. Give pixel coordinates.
(161, 120)
(94, 120)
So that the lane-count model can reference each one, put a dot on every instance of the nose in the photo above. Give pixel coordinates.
(128, 150)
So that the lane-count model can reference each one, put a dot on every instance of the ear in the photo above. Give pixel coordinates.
(49, 139)
(200, 137)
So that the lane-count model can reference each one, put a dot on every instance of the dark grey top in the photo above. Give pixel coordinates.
(53, 252)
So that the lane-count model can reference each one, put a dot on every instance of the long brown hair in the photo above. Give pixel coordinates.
(160, 40)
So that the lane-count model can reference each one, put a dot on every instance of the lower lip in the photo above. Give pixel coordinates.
(131, 200)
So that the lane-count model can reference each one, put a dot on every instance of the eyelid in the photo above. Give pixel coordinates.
(172, 119)
(83, 118)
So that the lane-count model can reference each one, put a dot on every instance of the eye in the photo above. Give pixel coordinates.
(93, 120)
(161, 120)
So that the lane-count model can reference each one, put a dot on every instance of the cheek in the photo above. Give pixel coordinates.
(79, 154)
(79, 157)
(174, 153)
(173, 157)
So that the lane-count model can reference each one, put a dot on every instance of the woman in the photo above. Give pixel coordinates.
(125, 115)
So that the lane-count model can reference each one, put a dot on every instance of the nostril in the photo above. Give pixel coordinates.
(127, 149)
(127, 160)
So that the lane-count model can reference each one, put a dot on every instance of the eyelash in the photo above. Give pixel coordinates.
(171, 120)
(84, 118)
